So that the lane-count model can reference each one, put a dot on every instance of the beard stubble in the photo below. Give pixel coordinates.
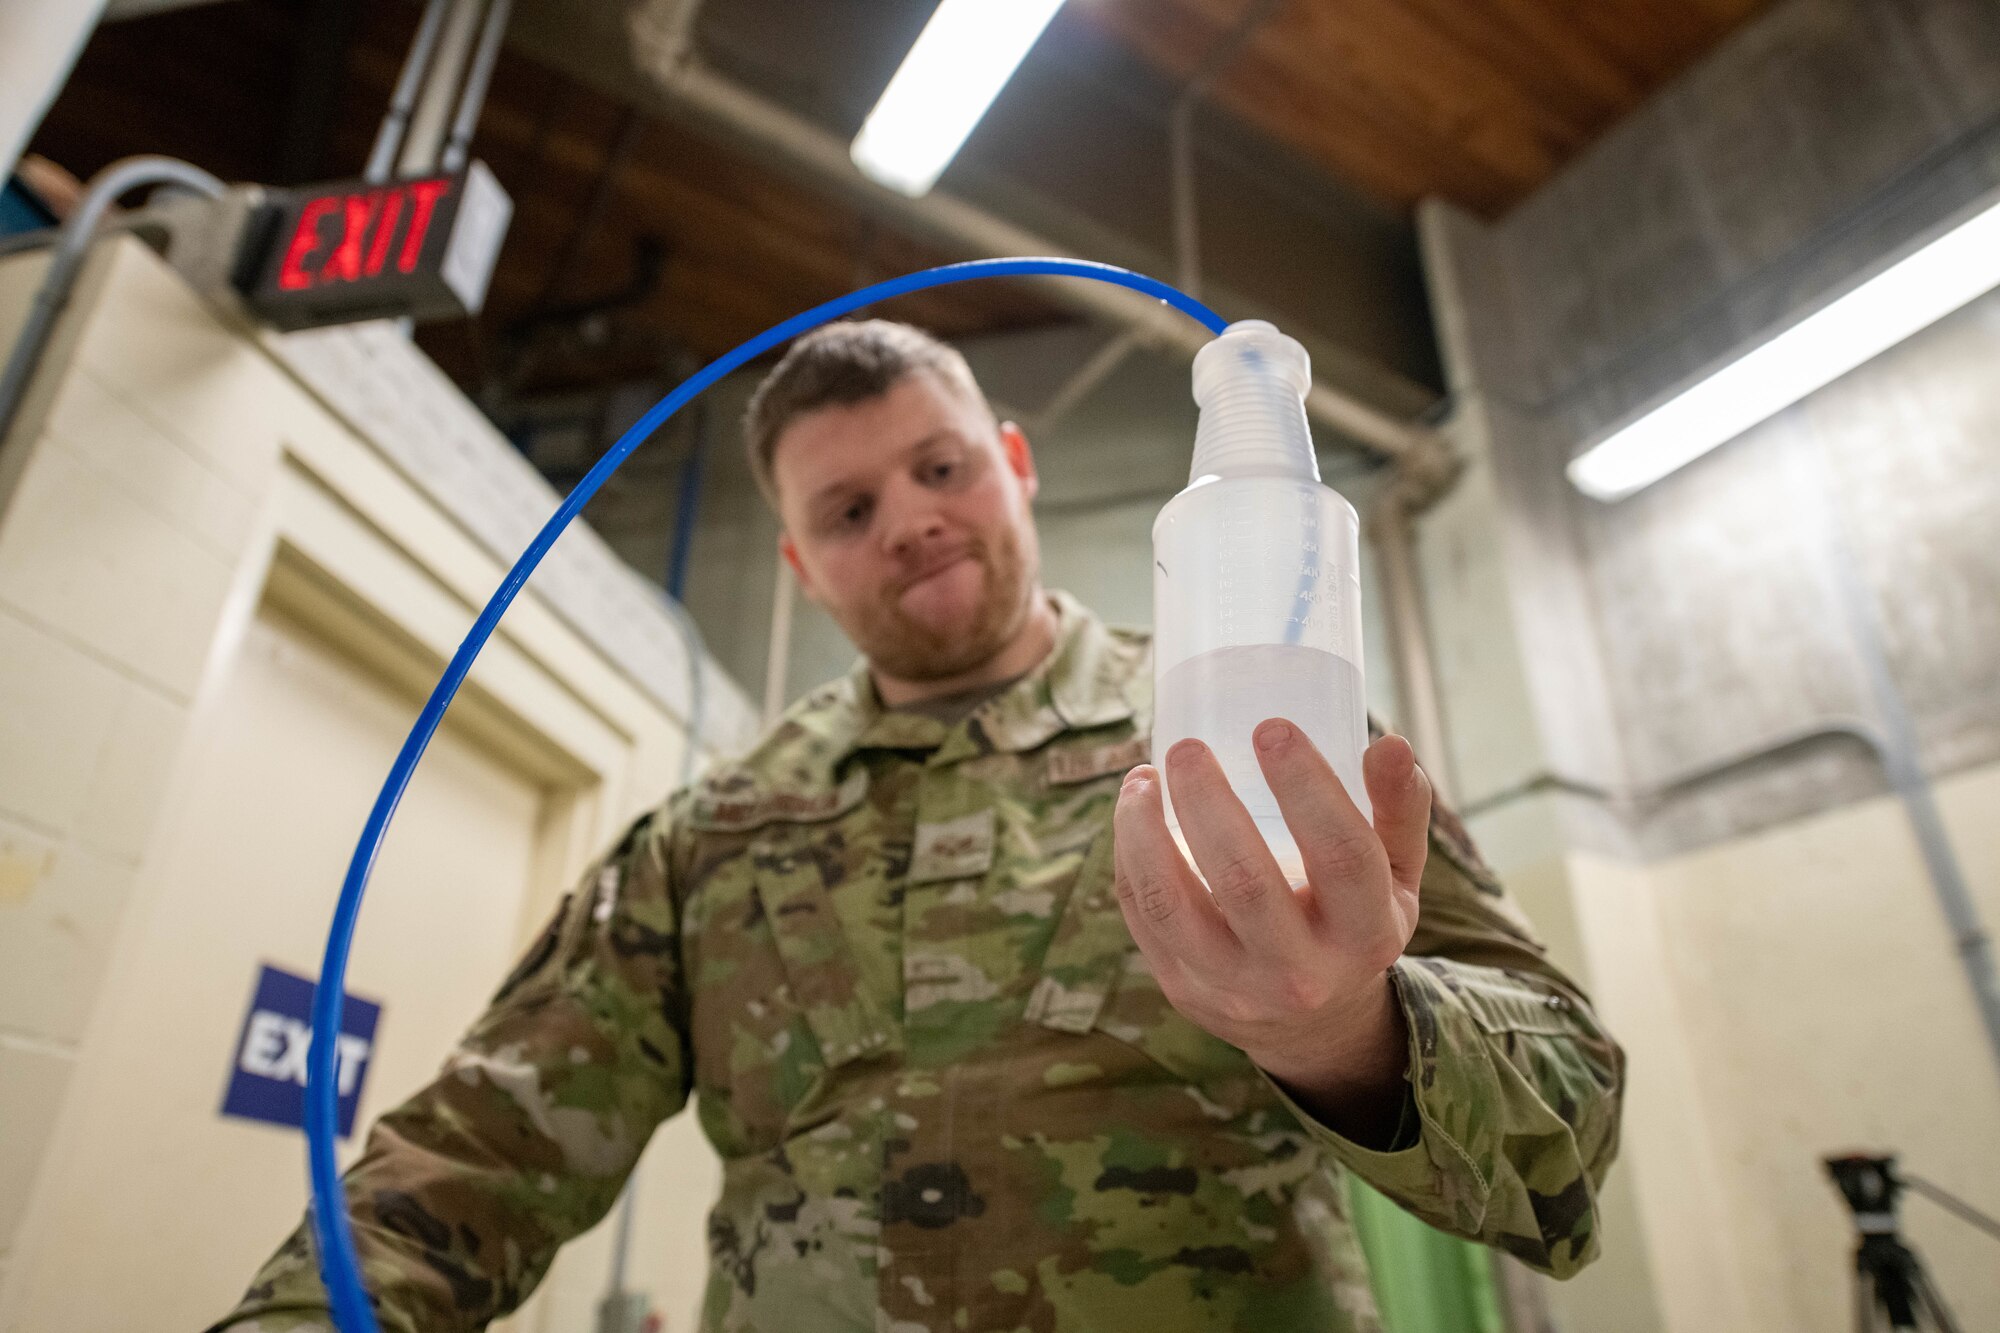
(900, 646)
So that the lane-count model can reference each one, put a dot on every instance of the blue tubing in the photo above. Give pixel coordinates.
(338, 1266)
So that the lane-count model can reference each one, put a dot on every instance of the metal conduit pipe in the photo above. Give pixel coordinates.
(1186, 219)
(1180, 139)
(459, 145)
(965, 229)
(431, 121)
(1901, 747)
(778, 656)
(1689, 779)
(621, 1310)
(1083, 381)
(1907, 782)
(71, 249)
(1391, 531)
(396, 120)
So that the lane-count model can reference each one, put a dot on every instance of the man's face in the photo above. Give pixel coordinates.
(906, 516)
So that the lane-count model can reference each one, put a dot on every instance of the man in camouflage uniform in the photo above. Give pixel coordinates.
(970, 1062)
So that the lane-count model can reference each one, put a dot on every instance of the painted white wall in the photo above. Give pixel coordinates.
(1788, 996)
(216, 559)
(1767, 948)
(298, 735)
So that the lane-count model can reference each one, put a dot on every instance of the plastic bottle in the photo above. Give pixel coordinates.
(1257, 583)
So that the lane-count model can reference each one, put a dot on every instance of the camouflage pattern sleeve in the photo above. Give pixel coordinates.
(1515, 1085)
(466, 1190)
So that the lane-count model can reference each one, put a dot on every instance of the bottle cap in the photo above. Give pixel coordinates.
(1250, 383)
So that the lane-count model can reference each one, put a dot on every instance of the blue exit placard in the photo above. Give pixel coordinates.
(267, 1080)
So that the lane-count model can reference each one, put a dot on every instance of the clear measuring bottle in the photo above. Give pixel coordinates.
(1257, 583)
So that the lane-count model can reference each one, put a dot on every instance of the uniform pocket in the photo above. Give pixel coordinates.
(1086, 956)
(1094, 979)
(819, 963)
(1500, 1003)
(1139, 1014)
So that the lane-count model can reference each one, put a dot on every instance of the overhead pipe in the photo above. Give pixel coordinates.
(603, 190)
(669, 41)
(1083, 381)
(430, 123)
(72, 248)
(459, 146)
(1187, 232)
(1180, 139)
(1901, 747)
(1392, 534)
(955, 225)
(396, 121)
(778, 654)
(622, 1310)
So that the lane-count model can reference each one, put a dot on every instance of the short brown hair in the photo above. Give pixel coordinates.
(849, 362)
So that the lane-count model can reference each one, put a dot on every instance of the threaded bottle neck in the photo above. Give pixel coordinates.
(1250, 383)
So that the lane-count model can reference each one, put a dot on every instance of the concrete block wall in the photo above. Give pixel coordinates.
(120, 545)
(1823, 140)
(1767, 946)
(159, 464)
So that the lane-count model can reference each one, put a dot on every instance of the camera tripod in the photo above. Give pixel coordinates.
(1891, 1288)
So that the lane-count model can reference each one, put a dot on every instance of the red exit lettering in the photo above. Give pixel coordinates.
(365, 231)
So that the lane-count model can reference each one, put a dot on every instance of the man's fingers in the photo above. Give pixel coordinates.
(1339, 848)
(1165, 906)
(1231, 854)
(1401, 795)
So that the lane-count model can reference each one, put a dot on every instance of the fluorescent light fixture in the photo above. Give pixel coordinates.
(1909, 295)
(961, 61)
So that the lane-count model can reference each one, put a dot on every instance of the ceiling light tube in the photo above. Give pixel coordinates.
(961, 61)
(1911, 294)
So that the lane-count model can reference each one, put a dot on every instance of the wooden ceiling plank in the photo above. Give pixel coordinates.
(1283, 90)
(1343, 128)
(752, 245)
(1656, 40)
(690, 197)
(1478, 100)
(1390, 57)
(1551, 62)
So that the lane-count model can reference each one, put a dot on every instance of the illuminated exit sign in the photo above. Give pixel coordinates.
(421, 249)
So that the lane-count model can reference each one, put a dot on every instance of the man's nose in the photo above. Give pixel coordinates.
(911, 517)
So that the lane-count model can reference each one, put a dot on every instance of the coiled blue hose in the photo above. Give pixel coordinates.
(338, 1264)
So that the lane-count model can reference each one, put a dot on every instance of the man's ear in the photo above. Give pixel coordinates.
(1020, 458)
(790, 554)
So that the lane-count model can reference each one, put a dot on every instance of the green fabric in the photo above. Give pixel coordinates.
(1425, 1281)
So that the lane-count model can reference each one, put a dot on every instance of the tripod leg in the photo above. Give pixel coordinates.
(1864, 1303)
(1929, 1301)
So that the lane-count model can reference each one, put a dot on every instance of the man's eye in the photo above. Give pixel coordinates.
(940, 470)
(851, 515)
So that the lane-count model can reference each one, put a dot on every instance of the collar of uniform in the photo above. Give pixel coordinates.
(1079, 684)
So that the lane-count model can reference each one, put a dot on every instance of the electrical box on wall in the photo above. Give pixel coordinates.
(418, 249)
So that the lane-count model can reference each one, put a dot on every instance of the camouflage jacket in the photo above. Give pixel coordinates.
(947, 1094)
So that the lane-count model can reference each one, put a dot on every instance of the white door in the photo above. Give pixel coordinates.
(163, 1208)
